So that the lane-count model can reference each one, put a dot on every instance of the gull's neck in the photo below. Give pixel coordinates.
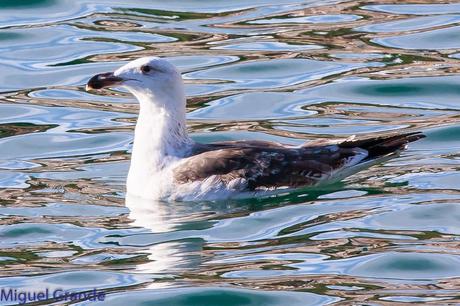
(161, 133)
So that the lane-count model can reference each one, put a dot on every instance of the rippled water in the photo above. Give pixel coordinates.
(284, 70)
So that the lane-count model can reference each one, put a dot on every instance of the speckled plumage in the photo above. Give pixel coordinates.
(267, 165)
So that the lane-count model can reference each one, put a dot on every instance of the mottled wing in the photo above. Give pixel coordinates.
(268, 167)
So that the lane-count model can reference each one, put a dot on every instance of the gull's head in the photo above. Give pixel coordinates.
(150, 79)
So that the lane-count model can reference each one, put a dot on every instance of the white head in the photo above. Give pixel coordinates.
(161, 128)
(151, 79)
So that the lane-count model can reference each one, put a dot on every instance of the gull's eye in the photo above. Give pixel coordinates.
(146, 69)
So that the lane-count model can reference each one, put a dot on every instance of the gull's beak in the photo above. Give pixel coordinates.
(103, 80)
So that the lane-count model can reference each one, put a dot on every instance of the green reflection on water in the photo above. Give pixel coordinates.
(25, 231)
(11, 35)
(407, 89)
(414, 264)
(25, 3)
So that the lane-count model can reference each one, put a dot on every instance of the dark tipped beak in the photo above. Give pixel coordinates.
(103, 80)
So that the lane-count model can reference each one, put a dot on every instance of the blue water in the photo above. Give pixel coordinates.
(288, 71)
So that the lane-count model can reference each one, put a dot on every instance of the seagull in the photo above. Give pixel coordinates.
(166, 164)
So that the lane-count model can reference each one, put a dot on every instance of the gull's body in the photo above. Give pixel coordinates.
(167, 164)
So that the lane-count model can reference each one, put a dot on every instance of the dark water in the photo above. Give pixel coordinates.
(284, 70)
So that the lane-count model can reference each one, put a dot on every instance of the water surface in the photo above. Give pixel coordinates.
(288, 71)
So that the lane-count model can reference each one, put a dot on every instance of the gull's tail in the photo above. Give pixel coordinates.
(383, 146)
(379, 150)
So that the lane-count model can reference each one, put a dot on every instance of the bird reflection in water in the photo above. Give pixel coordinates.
(169, 250)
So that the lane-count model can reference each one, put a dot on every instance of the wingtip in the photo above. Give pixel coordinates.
(411, 137)
(380, 146)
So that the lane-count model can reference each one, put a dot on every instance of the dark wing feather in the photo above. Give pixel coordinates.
(384, 145)
(201, 148)
(271, 165)
(267, 167)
